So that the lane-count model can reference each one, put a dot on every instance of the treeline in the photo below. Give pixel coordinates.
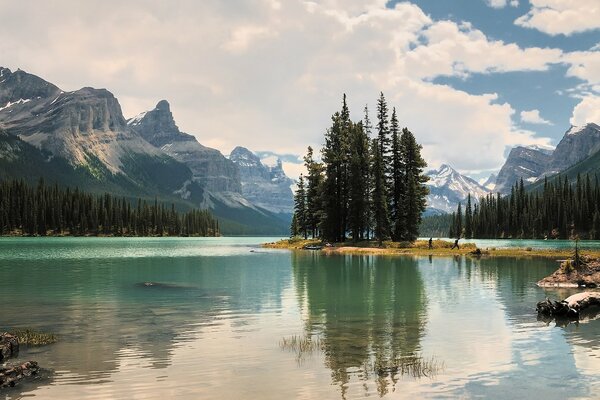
(363, 187)
(436, 226)
(560, 210)
(52, 210)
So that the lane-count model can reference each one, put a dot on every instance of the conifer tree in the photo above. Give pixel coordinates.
(414, 183)
(379, 203)
(358, 178)
(300, 209)
(468, 218)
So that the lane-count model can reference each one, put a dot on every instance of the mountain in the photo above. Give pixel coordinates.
(265, 186)
(81, 138)
(85, 133)
(447, 187)
(533, 163)
(527, 163)
(210, 168)
(577, 144)
(490, 182)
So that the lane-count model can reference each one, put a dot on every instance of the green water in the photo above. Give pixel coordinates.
(211, 324)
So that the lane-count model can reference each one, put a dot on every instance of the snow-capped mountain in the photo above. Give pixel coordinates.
(447, 187)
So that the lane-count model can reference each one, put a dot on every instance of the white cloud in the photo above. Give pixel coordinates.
(584, 65)
(502, 3)
(588, 110)
(565, 17)
(268, 74)
(533, 117)
(457, 50)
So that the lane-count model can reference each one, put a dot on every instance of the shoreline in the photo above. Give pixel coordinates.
(441, 248)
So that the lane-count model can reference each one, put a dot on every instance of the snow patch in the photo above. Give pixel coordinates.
(137, 119)
(10, 104)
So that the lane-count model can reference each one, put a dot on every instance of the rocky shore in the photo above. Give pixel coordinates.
(12, 373)
(583, 272)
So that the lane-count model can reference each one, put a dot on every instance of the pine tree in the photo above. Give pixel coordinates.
(379, 203)
(358, 178)
(468, 218)
(300, 209)
(458, 222)
(398, 182)
(314, 187)
(414, 184)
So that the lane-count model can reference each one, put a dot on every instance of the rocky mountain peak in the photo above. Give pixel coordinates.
(158, 126)
(163, 105)
(245, 158)
(22, 86)
(525, 163)
(577, 144)
(267, 186)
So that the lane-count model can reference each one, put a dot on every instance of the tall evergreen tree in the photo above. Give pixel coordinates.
(358, 178)
(468, 218)
(300, 212)
(314, 188)
(381, 220)
(414, 183)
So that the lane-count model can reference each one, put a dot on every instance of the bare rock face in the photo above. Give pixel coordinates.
(577, 144)
(267, 187)
(210, 168)
(81, 126)
(532, 164)
(527, 163)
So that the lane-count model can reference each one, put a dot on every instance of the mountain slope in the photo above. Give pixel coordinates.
(527, 163)
(81, 138)
(447, 187)
(214, 173)
(267, 187)
(532, 164)
(209, 167)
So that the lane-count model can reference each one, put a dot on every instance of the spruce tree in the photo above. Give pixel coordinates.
(300, 208)
(381, 220)
(468, 218)
(414, 183)
(358, 178)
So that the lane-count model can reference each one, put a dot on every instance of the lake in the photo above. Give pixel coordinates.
(216, 318)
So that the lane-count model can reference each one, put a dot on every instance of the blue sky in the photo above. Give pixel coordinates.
(470, 78)
(546, 91)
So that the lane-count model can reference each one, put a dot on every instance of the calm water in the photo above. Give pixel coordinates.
(212, 328)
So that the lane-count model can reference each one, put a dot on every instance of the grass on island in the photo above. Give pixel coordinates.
(421, 248)
(29, 337)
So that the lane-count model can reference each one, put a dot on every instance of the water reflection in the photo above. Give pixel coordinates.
(368, 311)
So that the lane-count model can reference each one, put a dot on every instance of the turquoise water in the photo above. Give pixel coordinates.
(211, 324)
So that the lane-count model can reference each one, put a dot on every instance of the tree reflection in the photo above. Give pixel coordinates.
(369, 313)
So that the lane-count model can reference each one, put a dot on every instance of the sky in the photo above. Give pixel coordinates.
(470, 78)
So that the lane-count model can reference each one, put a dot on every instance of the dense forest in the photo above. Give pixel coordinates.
(557, 210)
(363, 187)
(52, 210)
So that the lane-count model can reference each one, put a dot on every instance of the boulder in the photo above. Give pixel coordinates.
(10, 376)
(9, 346)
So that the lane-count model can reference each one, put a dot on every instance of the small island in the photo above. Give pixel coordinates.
(420, 248)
